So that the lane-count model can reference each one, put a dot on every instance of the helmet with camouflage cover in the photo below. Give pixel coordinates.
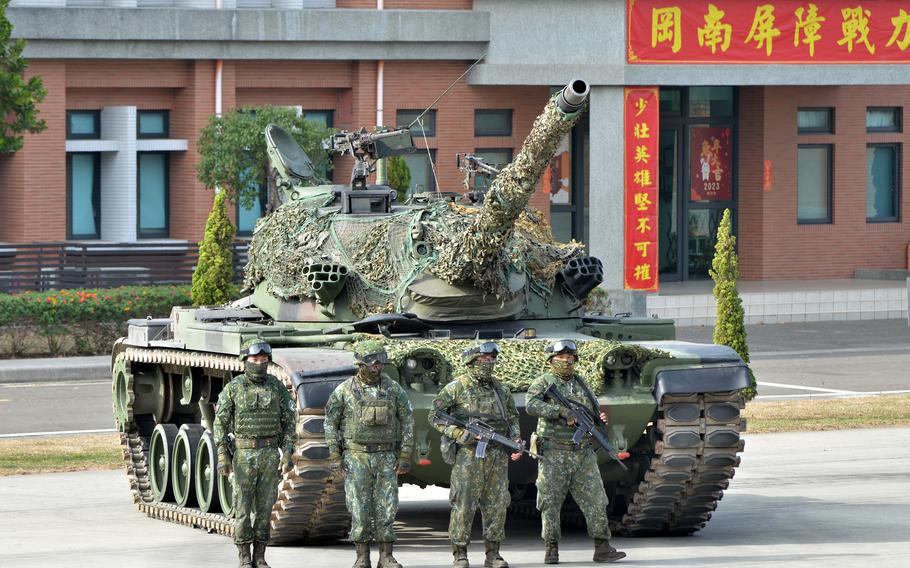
(370, 352)
(255, 346)
(481, 348)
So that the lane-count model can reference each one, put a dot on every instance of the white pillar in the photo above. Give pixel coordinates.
(118, 175)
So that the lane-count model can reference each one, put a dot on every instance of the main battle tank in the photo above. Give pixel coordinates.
(337, 263)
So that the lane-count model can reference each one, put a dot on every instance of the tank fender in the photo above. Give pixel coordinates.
(722, 378)
(314, 387)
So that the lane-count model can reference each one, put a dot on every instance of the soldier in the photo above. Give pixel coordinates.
(482, 482)
(257, 409)
(369, 418)
(566, 467)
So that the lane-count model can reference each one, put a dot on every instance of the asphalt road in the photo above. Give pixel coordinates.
(801, 500)
(790, 361)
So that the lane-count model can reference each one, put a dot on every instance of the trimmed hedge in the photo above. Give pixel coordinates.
(83, 322)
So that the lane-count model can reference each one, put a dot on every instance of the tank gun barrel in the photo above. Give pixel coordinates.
(573, 96)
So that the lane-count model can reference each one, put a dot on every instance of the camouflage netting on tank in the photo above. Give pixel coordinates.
(520, 360)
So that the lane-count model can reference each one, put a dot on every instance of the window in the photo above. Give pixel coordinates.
(247, 216)
(83, 124)
(496, 157)
(152, 124)
(406, 117)
(83, 200)
(152, 186)
(813, 189)
(815, 121)
(324, 118)
(882, 183)
(887, 119)
(492, 122)
(710, 101)
(422, 178)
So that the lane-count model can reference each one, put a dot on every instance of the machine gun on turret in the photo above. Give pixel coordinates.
(471, 166)
(367, 147)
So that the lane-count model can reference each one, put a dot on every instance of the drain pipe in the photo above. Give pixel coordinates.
(382, 177)
(219, 64)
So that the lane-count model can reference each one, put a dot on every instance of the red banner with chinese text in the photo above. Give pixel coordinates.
(642, 134)
(710, 148)
(775, 31)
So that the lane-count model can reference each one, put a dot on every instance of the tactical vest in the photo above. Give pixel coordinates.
(483, 402)
(257, 408)
(370, 416)
(574, 390)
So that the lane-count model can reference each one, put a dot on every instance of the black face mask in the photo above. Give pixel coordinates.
(255, 371)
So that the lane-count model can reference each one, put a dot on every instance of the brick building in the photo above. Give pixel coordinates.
(814, 157)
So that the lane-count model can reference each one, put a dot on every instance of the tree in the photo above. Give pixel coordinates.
(214, 274)
(18, 98)
(399, 177)
(233, 154)
(730, 327)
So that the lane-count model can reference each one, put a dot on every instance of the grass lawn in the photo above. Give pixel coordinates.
(827, 414)
(60, 453)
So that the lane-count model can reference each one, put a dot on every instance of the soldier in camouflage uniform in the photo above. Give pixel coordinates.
(369, 430)
(482, 482)
(257, 409)
(566, 467)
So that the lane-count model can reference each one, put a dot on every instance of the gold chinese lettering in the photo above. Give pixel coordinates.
(640, 105)
(809, 25)
(665, 27)
(900, 22)
(642, 247)
(644, 225)
(642, 178)
(642, 201)
(715, 31)
(856, 28)
(642, 272)
(641, 130)
(763, 31)
(642, 155)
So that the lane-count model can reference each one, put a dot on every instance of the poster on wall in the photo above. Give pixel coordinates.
(711, 176)
(641, 134)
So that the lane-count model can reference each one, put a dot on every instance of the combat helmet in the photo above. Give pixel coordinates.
(370, 352)
(486, 348)
(561, 346)
(255, 346)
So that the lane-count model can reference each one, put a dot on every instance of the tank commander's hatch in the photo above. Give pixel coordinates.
(287, 155)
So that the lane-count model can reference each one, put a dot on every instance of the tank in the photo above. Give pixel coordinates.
(338, 263)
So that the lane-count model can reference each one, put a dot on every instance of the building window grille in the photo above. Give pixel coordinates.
(153, 186)
(815, 121)
(83, 188)
(883, 183)
(493, 122)
(815, 163)
(83, 124)
(405, 117)
(883, 119)
(422, 178)
(152, 124)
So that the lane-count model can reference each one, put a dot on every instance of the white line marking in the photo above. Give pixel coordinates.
(898, 348)
(833, 395)
(800, 387)
(60, 384)
(60, 433)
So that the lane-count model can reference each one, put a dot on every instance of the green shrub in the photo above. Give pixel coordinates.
(730, 327)
(214, 274)
(399, 177)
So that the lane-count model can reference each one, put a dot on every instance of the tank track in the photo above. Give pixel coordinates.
(689, 457)
(310, 506)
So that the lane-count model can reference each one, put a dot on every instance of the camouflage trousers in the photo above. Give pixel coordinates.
(371, 494)
(256, 478)
(479, 482)
(561, 472)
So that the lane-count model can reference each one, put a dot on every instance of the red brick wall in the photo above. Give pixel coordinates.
(788, 250)
(409, 4)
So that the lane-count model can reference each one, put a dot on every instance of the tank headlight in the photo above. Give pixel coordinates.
(411, 364)
(610, 360)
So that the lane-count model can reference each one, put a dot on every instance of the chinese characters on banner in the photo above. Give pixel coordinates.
(642, 132)
(776, 31)
(712, 173)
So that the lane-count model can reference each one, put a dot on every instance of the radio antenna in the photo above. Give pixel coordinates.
(449, 88)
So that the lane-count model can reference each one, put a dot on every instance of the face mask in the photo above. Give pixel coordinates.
(562, 369)
(368, 376)
(255, 370)
(482, 370)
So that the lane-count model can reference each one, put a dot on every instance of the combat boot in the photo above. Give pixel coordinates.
(386, 560)
(259, 555)
(460, 554)
(603, 552)
(363, 555)
(551, 555)
(243, 552)
(494, 560)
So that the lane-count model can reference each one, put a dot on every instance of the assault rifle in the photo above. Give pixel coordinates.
(485, 435)
(585, 422)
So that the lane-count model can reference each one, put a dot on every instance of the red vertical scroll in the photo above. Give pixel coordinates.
(642, 134)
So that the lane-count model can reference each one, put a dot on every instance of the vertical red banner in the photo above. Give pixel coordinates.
(642, 136)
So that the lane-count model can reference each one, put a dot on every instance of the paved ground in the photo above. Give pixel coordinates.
(806, 500)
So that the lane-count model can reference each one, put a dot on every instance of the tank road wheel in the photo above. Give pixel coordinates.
(183, 464)
(122, 391)
(226, 494)
(206, 467)
(161, 448)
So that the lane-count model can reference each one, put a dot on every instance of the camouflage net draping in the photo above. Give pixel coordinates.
(475, 247)
(520, 360)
